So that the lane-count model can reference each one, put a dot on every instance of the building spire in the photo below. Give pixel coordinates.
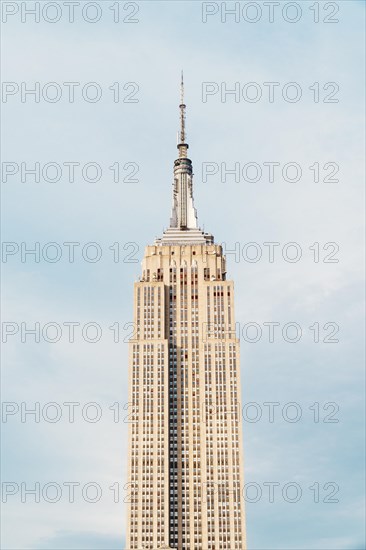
(182, 108)
(183, 222)
(182, 145)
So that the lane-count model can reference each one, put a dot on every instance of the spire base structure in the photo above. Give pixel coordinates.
(175, 236)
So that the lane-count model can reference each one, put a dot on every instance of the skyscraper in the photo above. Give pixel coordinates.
(185, 441)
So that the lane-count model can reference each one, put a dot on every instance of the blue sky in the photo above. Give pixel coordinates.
(170, 36)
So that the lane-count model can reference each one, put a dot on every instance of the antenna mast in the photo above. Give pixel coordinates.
(182, 108)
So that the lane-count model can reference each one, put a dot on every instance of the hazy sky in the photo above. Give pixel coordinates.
(308, 80)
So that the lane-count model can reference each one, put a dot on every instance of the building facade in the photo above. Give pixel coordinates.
(185, 435)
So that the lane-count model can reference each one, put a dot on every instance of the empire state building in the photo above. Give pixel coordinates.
(185, 442)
